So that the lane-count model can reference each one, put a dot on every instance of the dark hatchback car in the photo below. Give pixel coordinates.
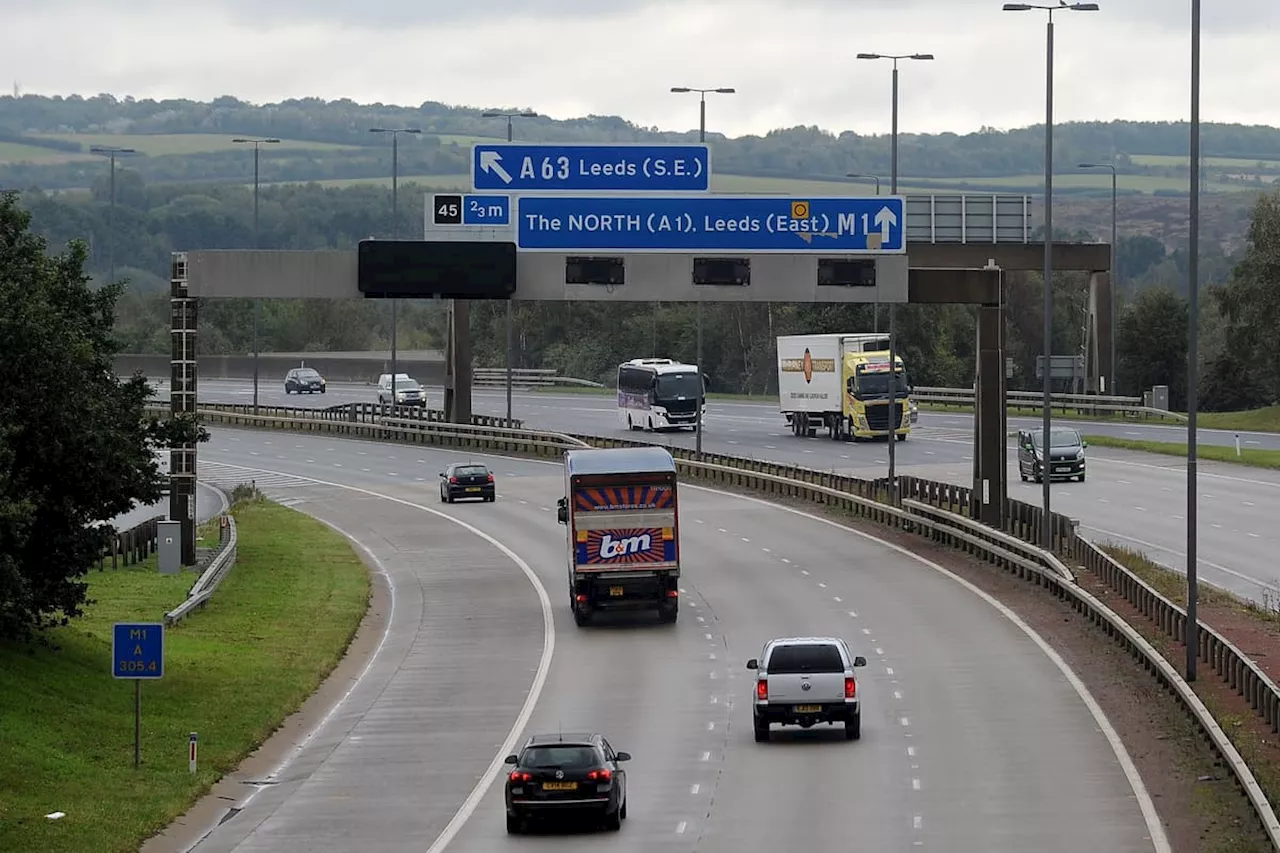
(304, 380)
(576, 775)
(1066, 454)
(466, 480)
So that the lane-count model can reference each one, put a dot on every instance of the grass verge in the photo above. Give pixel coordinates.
(277, 626)
(1260, 622)
(1252, 457)
(1255, 420)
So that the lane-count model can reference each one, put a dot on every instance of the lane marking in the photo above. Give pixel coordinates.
(464, 812)
(680, 827)
(693, 789)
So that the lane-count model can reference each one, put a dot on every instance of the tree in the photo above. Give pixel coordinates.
(1151, 342)
(1250, 301)
(75, 447)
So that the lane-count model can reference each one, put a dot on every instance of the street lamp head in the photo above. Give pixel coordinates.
(1017, 7)
(377, 130)
(726, 90)
(681, 89)
(869, 56)
(1083, 7)
(528, 114)
(490, 114)
(921, 56)
(271, 141)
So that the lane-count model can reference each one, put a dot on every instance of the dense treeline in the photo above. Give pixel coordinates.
(794, 152)
(151, 222)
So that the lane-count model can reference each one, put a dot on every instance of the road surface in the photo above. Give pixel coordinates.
(973, 740)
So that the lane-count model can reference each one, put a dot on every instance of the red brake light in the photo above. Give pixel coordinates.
(580, 598)
(453, 480)
(520, 776)
(601, 775)
(490, 478)
(673, 593)
(850, 688)
(762, 689)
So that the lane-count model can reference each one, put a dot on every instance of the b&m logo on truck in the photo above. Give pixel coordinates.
(634, 546)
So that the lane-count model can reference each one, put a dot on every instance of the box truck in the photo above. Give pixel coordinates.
(840, 382)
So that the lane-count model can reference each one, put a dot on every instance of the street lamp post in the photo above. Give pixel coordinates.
(1114, 181)
(894, 409)
(112, 152)
(395, 234)
(1193, 353)
(702, 137)
(257, 244)
(875, 309)
(1047, 521)
(511, 334)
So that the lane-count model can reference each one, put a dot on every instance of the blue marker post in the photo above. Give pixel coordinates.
(513, 167)
(137, 652)
(872, 225)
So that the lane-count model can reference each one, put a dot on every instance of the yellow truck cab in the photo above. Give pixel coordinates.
(867, 405)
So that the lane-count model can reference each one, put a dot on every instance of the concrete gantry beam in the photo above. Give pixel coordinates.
(1011, 257)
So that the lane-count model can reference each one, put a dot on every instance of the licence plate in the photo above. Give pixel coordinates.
(473, 488)
(559, 786)
(808, 709)
(615, 591)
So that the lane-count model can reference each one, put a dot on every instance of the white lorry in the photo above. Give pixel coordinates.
(841, 382)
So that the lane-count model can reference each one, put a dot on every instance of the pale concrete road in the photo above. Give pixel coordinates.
(208, 504)
(973, 741)
(1130, 498)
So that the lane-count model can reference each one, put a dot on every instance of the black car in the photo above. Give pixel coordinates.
(1066, 454)
(576, 774)
(303, 380)
(466, 480)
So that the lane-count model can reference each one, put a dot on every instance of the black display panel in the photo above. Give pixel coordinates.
(594, 270)
(447, 269)
(847, 272)
(722, 271)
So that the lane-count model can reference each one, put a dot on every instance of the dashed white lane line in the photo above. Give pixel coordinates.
(706, 756)
(680, 827)
(897, 694)
(917, 821)
(915, 784)
(880, 651)
(837, 599)
(804, 572)
(821, 585)
(853, 614)
(694, 788)
(707, 636)
(904, 721)
(744, 539)
(888, 670)
(911, 752)
(722, 530)
(785, 560)
(866, 631)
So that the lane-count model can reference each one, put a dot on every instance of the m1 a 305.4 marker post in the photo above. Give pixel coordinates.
(137, 652)
(872, 225)
(624, 168)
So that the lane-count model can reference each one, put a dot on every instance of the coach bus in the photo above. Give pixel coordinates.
(659, 394)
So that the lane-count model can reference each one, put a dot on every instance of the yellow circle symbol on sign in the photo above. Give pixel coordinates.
(799, 210)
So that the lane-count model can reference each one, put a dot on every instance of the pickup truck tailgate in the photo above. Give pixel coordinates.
(823, 687)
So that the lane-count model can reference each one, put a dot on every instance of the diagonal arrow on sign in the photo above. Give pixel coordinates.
(491, 161)
(885, 219)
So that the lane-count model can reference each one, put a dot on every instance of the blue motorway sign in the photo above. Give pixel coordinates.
(137, 650)
(623, 168)
(479, 210)
(871, 225)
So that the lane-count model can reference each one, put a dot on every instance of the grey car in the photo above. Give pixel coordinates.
(1066, 454)
(304, 380)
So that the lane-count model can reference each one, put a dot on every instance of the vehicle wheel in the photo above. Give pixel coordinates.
(581, 617)
(1022, 474)
(442, 500)
(668, 615)
(902, 438)
(650, 424)
(630, 425)
(761, 729)
(853, 727)
(513, 825)
(448, 498)
(622, 812)
(613, 821)
(1082, 476)
(322, 390)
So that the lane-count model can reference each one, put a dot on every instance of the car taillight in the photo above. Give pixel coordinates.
(601, 775)
(453, 480)
(850, 688)
(673, 593)
(490, 478)
(520, 776)
(762, 689)
(580, 598)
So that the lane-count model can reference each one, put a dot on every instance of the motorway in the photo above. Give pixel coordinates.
(974, 739)
(209, 502)
(1132, 499)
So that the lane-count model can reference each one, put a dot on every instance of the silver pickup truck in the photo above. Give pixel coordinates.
(802, 681)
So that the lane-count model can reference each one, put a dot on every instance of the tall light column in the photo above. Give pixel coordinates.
(894, 408)
(257, 244)
(511, 333)
(702, 137)
(1111, 383)
(1046, 534)
(112, 152)
(395, 235)
(1193, 354)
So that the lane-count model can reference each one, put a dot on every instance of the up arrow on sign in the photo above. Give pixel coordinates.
(885, 220)
(491, 161)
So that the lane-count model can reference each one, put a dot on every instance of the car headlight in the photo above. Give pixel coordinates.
(1080, 455)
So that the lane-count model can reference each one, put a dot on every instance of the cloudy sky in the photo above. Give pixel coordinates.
(792, 61)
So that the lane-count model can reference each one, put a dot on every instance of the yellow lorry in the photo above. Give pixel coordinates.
(841, 382)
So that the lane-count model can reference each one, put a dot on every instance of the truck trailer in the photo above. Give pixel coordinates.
(622, 531)
(841, 382)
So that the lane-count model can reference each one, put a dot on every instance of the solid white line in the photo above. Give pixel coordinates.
(540, 676)
(1155, 829)
(297, 748)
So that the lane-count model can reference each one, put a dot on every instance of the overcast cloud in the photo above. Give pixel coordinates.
(792, 61)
